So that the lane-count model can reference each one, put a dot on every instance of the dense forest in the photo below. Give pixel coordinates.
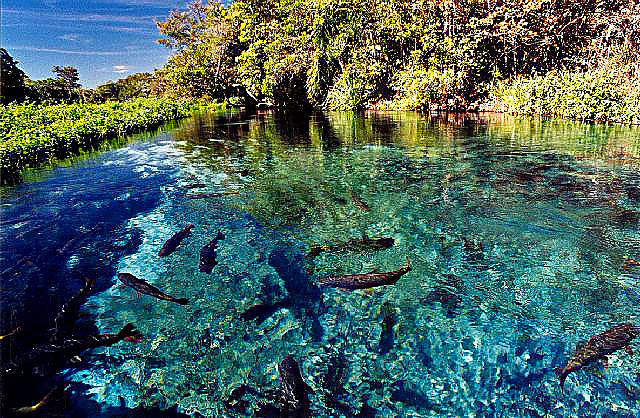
(344, 54)
(572, 58)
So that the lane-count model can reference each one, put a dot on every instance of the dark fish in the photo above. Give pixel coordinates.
(67, 316)
(142, 286)
(173, 242)
(294, 393)
(208, 254)
(599, 347)
(387, 335)
(263, 311)
(53, 393)
(64, 350)
(353, 245)
(366, 280)
(73, 241)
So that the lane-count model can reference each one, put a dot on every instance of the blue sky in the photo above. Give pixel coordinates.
(103, 39)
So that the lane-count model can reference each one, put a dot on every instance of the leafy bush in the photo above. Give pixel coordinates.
(593, 96)
(31, 135)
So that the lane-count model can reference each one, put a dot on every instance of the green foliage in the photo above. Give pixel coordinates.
(135, 85)
(62, 89)
(35, 134)
(11, 79)
(68, 75)
(420, 88)
(595, 96)
(349, 54)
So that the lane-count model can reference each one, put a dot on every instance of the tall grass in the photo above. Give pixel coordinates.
(32, 135)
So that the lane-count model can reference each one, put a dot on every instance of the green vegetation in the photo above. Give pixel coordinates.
(425, 54)
(577, 95)
(32, 135)
(571, 58)
(11, 79)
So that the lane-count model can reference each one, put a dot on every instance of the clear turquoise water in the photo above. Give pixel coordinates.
(518, 232)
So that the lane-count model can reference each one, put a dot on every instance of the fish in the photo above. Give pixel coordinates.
(387, 336)
(56, 391)
(359, 203)
(630, 263)
(353, 245)
(64, 350)
(208, 254)
(294, 392)
(365, 280)
(142, 286)
(599, 347)
(67, 316)
(173, 242)
(263, 311)
(73, 241)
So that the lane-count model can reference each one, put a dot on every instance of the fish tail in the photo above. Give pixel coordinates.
(127, 331)
(181, 301)
(563, 376)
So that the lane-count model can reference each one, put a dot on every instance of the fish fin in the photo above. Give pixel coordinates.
(127, 331)
(408, 262)
(605, 363)
(628, 350)
(182, 301)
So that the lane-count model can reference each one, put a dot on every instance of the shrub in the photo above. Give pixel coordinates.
(32, 135)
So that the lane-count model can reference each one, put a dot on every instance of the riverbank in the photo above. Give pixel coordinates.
(32, 135)
(587, 96)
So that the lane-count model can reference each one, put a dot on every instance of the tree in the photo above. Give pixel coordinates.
(63, 88)
(68, 75)
(11, 79)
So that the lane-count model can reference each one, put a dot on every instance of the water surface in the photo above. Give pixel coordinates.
(517, 231)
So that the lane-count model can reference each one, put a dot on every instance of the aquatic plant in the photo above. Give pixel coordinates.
(31, 135)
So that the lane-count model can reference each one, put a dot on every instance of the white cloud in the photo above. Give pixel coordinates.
(121, 69)
(64, 51)
(81, 17)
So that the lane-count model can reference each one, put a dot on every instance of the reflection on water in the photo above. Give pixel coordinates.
(519, 234)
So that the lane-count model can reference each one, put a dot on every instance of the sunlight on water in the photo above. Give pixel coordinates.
(518, 233)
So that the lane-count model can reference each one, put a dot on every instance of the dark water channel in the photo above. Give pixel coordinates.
(520, 236)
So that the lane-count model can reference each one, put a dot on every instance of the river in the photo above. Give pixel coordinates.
(520, 234)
